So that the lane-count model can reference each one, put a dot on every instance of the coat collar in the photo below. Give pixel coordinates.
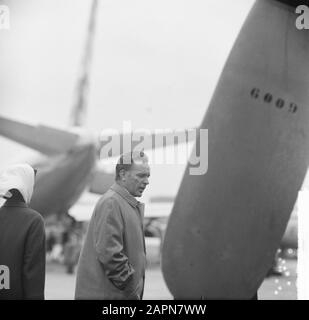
(16, 203)
(124, 193)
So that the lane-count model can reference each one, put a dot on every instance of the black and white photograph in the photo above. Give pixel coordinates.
(154, 150)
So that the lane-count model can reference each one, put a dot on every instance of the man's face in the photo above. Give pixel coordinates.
(136, 179)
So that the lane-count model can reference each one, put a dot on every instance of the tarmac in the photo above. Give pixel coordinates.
(60, 285)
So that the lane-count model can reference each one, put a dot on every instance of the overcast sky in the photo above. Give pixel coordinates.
(156, 62)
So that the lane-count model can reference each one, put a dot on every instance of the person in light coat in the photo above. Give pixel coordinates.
(113, 258)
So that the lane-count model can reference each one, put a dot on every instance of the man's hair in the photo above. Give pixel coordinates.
(126, 161)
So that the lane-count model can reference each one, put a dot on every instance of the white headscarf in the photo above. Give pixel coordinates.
(20, 177)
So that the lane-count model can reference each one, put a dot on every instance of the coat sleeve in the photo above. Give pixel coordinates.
(34, 261)
(109, 244)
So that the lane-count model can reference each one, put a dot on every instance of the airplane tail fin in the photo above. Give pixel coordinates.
(47, 140)
(78, 114)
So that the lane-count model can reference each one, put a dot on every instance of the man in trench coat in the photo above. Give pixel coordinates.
(113, 258)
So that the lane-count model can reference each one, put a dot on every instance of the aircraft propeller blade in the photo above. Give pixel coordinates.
(227, 224)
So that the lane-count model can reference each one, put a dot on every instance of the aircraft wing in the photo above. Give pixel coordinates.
(156, 210)
(101, 181)
(83, 208)
(104, 175)
(45, 139)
